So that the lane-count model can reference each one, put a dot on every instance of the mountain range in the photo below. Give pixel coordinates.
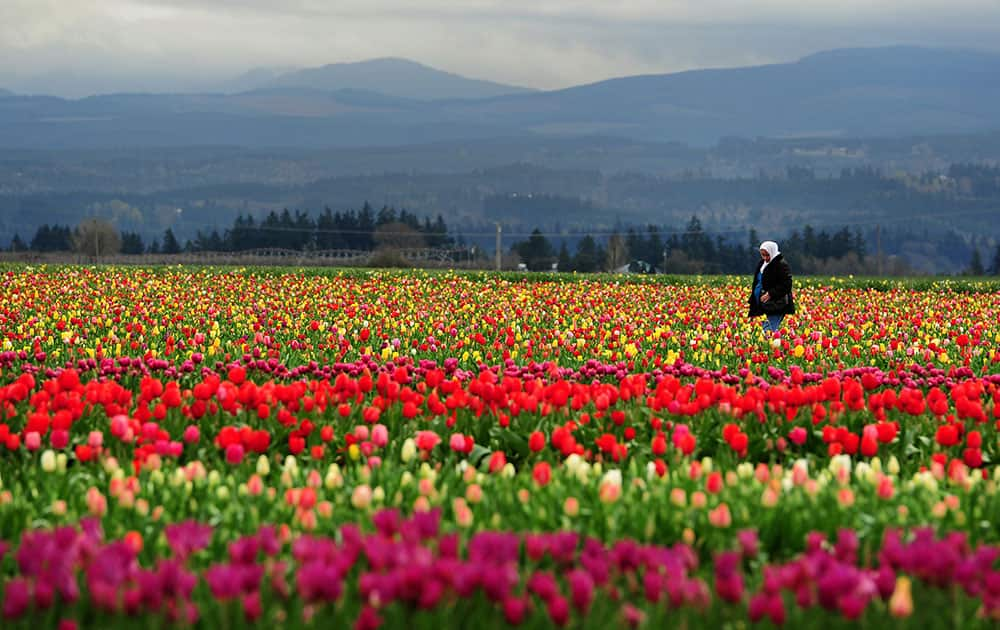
(390, 76)
(891, 91)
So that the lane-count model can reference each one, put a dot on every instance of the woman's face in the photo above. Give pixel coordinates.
(766, 256)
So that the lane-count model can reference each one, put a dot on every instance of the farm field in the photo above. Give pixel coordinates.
(220, 447)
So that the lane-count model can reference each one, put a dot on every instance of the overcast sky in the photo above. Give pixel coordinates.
(79, 47)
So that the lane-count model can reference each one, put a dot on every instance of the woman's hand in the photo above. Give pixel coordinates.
(764, 297)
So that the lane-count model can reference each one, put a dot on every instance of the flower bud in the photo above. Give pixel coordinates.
(409, 450)
(893, 466)
(571, 507)
(332, 480)
(263, 466)
(901, 602)
(32, 441)
(49, 461)
(361, 498)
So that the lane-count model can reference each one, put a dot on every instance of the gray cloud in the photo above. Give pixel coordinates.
(77, 47)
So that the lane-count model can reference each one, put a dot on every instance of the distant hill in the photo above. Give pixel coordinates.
(860, 92)
(253, 79)
(885, 92)
(393, 77)
(5, 93)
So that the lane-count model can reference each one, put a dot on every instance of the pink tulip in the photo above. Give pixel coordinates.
(191, 434)
(95, 439)
(119, 425)
(380, 435)
(59, 439)
(234, 453)
(32, 441)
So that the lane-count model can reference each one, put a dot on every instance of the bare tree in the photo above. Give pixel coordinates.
(617, 252)
(398, 235)
(96, 237)
(679, 263)
(390, 239)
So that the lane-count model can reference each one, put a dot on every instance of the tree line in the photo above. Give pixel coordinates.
(693, 250)
(365, 229)
(648, 249)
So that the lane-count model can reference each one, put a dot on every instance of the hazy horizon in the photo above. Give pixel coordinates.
(84, 48)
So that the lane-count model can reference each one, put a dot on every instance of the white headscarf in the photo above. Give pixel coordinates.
(771, 248)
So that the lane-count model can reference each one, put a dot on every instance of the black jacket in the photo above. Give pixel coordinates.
(776, 282)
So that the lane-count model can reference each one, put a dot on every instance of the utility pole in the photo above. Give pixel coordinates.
(498, 247)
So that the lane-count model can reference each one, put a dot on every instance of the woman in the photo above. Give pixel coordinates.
(771, 294)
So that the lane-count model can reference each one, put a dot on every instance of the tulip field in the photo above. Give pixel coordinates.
(222, 447)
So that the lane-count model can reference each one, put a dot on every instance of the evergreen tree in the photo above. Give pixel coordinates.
(428, 231)
(200, 243)
(841, 244)
(236, 236)
(269, 231)
(809, 240)
(327, 236)
(386, 215)
(565, 263)
(996, 262)
(154, 247)
(347, 225)
(695, 243)
(536, 252)
(170, 244)
(18, 245)
(975, 264)
(132, 243)
(654, 246)
(634, 244)
(215, 242)
(365, 228)
(40, 241)
(411, 220)
(57, 238)
(860, 247)
(305, 231)
(285, 236)
(588, 256)
(439, 234)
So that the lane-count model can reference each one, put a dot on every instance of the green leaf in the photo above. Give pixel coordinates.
(479, 454)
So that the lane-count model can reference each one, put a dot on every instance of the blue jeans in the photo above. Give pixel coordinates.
(772, 322)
